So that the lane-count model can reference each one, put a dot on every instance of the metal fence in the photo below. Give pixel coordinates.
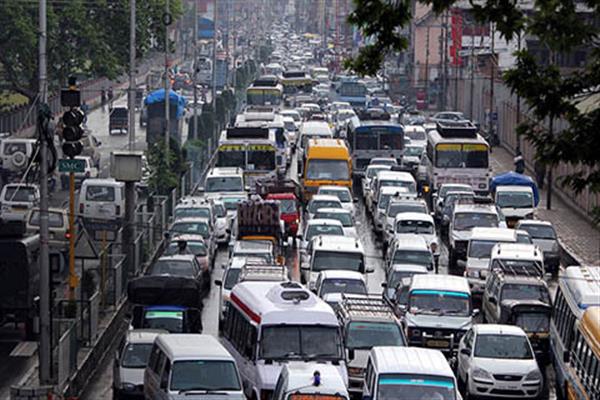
(505, 105)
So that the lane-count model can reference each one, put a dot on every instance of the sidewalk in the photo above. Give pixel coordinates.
(576, 234)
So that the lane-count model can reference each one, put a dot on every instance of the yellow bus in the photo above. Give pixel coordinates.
(326, 162)
(583, 381)
(575, 333)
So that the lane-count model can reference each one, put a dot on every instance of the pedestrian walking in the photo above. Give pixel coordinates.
(84, 109)
(103, 96)
(519, 162)
(540, 172)
(110, 97)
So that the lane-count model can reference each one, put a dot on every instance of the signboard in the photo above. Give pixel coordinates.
(84, 247)
(71, 165)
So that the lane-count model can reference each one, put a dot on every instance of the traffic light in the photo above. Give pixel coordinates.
(72, 132)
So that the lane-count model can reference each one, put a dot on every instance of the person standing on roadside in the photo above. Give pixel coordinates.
(519, 162)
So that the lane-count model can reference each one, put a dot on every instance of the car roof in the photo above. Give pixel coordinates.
(414, 216)
(192, 346)
(410, 360)
(176, 237)
(190, 220)
(513, 188)
(410, 241)
(178, 257)
(143, 336)
(342, 274)
(300, 375)
(325, 197)
(102, 181)
(538, 222)
(516, 251)
(502, 234)
(324, 221)
(395, 175)
(475, 208)
(333, 210)
(332, 187)
(409, 268)
(254, 245)
(337, 243)
(441, 282)
(498, 329)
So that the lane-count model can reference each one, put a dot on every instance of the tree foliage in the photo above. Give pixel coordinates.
(549, 93)
(84, 38)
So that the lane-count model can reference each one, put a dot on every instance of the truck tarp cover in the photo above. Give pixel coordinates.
(158, 96)
(165, 290)
(515, 179)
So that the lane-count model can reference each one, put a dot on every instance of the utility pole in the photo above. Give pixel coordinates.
(45, 352)
(492, 73)
(518, 146)
(427, 69)
(132, 84)
(195, 64)
(472, 88)
(167, 22)
(214, 75)
(549, 192)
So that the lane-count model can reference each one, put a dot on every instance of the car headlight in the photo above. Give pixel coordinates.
(534, 375)
(128, 387)
(479, 373)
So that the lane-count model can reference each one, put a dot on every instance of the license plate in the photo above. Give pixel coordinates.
(438, 343)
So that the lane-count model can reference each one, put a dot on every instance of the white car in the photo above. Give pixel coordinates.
(89, 171)
(343, 193)
(316, 227)
(330, 285)
(344, 216)
(17, 199)
(223, 222)
(370, 173)
(498, 360)
(319, 201)
(418, 224)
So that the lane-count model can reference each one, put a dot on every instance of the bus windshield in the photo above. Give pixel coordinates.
(461, 156)
(261, 160)
(303, 342)
(335, 170)
(416, 387)
(235, 158)
(262, 97)
(352, 89)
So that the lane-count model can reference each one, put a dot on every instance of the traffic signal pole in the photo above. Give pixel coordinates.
(73, 280)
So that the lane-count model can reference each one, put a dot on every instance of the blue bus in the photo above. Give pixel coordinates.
(354, 92)
(372, 134)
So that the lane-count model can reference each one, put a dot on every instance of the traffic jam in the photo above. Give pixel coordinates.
(343, 246)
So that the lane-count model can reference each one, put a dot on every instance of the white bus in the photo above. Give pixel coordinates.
(578, 290)
(254, 150)
(458, 154)
(265, 91)
(269, 324)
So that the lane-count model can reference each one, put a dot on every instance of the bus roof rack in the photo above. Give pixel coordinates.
(458, 129)
(266, 81)
(248, 133)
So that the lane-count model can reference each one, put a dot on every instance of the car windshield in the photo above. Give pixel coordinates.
(510, 347)
(55, 220)
(344, 217)
(340, 285)
(327, 260)
(224, 184)
(315, 205)
(305, 342)
(413, 151)
(336, 170)
(170, 321)
(19, 193)
(198, 375)
(415, 226)
(231, 278)
(314, 230)
(135, 355)
(397, 208)
(343, 195)
(193, 212)
(415, 387)
(440, 302)
(372, 171)
(468, 221)
(173, 267)
(539, 231)
(514, 200)
(197, 248)
(512, 291)
(366, 335)
(398, 275)
(397, 183)
(100, 193)
(194, 228)
(287, 206)
(412, 257)
(481, 248)
(533, 322)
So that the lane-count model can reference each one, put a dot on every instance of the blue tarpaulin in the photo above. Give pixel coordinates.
(158, 96)
(515, 179)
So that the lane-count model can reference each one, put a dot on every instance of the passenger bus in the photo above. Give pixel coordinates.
(458, 154)
(326, 162)
(352, 91)
(265, 91)
(269, 324)
(574, 336)
(252, 149)
(371, 135)
(296, 81)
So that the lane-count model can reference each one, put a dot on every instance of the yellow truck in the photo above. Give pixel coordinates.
(326, 162)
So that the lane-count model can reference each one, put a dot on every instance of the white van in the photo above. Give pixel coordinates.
(516, 203)
(191, 366)
(102, 201)
(395, 372)
(517, 259)
(310, 381)
(479, 251)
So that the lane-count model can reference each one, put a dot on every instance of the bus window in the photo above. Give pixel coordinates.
(231, 158)
(393, 141)
(366, 141)
(261, 160)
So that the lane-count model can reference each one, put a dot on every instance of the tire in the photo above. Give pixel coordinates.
(18, 159)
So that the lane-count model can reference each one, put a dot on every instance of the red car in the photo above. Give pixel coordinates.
(289, 211)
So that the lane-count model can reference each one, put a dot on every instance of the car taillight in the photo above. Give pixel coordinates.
(67, 235)
(118, 210)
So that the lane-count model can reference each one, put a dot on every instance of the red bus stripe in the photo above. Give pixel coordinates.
(253, 316)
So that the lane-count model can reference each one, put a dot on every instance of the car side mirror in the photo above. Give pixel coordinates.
(247, 188)
(218, 282)
(384, 285)
(370, 270)
(475, 313)
(351, 354)
(465, 351)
